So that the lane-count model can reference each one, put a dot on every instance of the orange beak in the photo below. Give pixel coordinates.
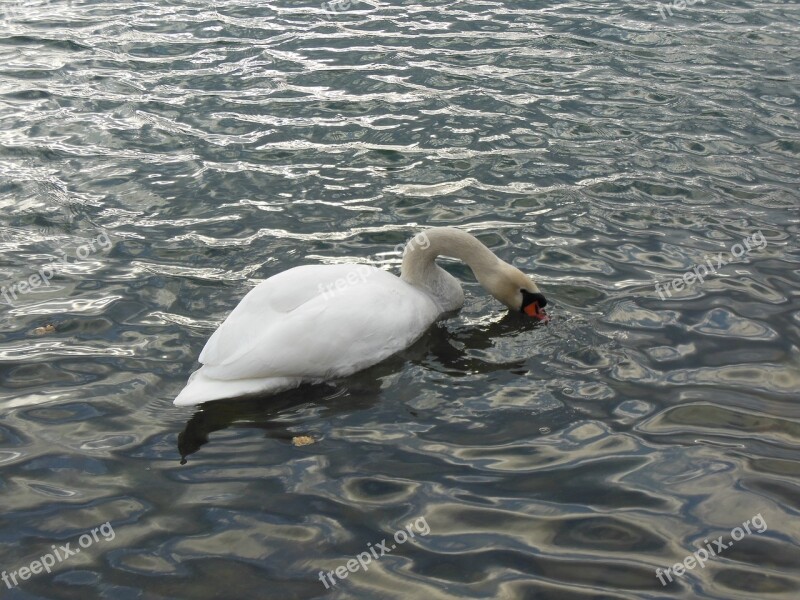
(533, 310)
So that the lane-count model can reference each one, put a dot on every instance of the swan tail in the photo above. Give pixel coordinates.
(202, 388)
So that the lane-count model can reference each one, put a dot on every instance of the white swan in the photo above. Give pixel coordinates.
(319, 322)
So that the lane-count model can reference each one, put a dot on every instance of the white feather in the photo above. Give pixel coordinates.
(298, 326)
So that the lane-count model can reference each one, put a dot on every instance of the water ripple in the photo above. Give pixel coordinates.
(216, 142)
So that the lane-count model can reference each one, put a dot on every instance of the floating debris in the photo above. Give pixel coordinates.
(49, 328)
(303, 440)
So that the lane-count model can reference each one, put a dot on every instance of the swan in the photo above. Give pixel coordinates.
(319, 322)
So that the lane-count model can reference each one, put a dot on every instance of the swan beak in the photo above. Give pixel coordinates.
(533, 310)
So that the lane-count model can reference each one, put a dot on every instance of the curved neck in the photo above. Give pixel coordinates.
(420, 269)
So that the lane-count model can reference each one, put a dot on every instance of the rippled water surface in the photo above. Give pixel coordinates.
(161, 157)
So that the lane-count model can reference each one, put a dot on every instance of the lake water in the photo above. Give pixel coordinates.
(159, 158)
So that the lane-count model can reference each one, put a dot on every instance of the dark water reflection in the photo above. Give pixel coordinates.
(593, 144)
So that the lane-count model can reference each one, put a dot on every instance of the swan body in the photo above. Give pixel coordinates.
(319, 322)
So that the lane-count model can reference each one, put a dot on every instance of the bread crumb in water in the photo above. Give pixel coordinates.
(303, 440)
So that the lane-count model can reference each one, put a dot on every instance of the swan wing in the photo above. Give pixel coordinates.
(317, 322)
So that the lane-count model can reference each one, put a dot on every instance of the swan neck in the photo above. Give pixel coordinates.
(419, 267)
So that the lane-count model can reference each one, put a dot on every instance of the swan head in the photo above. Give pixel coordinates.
(518, 292)
(505, 282)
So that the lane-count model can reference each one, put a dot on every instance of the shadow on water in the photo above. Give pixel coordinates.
(276, 414)
(446, 349)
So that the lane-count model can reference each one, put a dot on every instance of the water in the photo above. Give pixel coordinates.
(598, 146)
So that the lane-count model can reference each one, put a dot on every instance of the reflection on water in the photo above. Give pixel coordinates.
(273, 414)
(597, 146)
